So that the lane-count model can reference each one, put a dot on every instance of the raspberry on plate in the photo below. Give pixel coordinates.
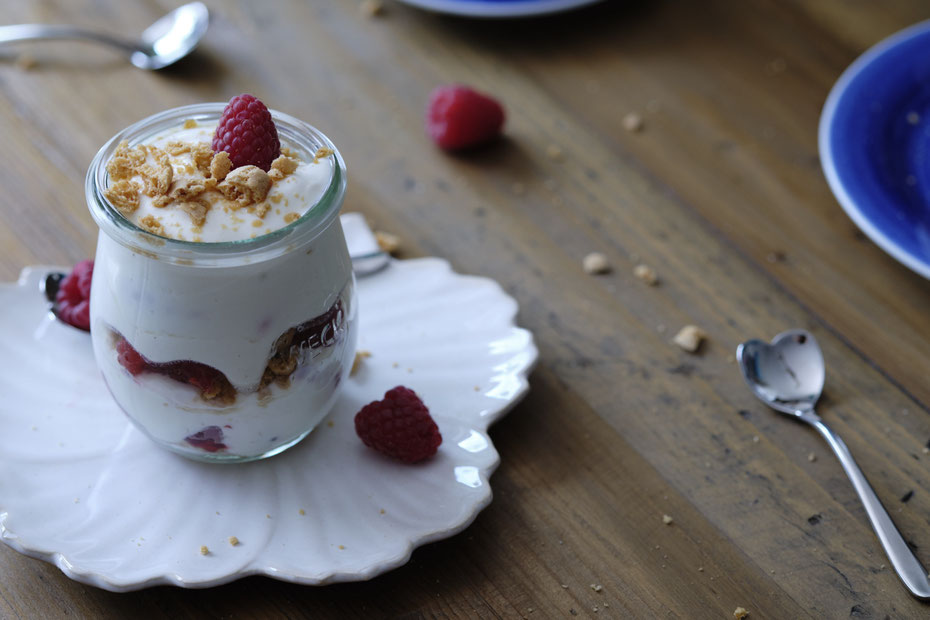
(399, 426)
(459, 117)
(72, 301)
(247, 133)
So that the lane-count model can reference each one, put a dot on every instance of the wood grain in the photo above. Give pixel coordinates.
(720, 192)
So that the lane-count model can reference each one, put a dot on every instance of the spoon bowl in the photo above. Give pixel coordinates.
(172, 37)
(788, 374)
(169, 39)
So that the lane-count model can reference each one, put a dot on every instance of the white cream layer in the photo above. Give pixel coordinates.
(225, 317)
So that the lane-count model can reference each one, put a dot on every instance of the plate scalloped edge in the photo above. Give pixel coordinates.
(511, 374)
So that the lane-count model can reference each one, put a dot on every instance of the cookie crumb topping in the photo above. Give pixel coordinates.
(124, 195)
(321, 153)
(189, 177)
(220, 166)
(152, 224)
(246, 185)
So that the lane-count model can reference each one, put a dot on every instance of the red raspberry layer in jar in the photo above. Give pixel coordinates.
(287, 353)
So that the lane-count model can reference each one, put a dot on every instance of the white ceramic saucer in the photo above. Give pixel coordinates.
(84, 490)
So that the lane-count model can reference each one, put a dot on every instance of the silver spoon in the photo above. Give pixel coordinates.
(788, 375)
(168, 40)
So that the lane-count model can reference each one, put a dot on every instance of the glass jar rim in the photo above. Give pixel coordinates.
(294, 133)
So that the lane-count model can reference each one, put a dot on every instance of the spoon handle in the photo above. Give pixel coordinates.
(902, 558)
(25, 32)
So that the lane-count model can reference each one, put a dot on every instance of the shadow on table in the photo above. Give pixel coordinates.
(555, 33)
(201, 68)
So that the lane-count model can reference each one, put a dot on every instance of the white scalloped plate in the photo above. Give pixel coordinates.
(83, 489)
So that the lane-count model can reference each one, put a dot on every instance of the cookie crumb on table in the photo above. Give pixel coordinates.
(776, 66)
(360, 356)
(26, 62)
(233, 541)
(388, 242)
(646, 273)
(689, 338)
(204, 550)
(740, 612)
(633, 122)
(595, 263)
(371, 8)
(667, 520)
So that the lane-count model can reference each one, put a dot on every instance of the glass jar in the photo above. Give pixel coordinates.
(223, 351)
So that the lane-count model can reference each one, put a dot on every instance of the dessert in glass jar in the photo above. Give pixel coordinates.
(223, 308)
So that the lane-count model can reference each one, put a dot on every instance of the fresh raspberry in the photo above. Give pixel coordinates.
(72, 301)
(210, 381)
(459, 117)
(209, 439)
(247, 133)
(399, 426)
(129, 358)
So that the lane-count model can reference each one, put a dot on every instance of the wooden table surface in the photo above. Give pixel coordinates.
(721, 192)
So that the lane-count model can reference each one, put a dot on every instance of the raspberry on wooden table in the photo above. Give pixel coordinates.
(72, 301)
(459, 117)
(399, 426)
(247, 133)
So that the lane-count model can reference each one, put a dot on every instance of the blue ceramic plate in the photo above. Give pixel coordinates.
(875, 145)
(498, 8)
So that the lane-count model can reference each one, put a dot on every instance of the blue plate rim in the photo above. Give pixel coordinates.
(828, 164)
(484, 8)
